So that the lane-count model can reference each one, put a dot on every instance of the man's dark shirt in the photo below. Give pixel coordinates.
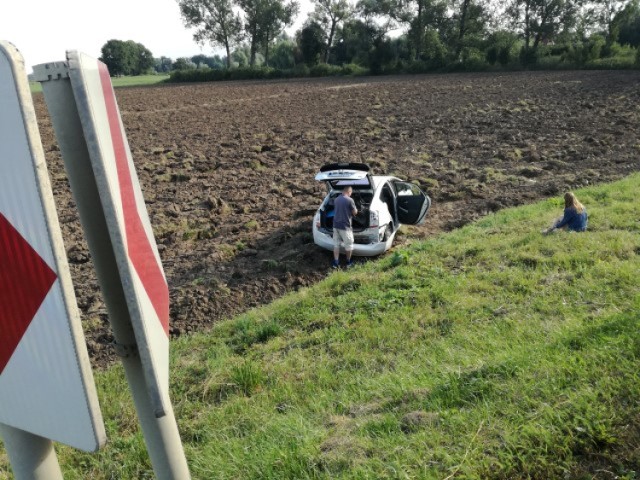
(343, 207)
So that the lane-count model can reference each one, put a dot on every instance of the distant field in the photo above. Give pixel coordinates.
(139, 81)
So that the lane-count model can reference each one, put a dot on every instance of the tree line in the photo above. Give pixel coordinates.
(403, 35)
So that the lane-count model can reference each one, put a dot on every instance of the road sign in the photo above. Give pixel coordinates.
(141, 272)
(46, 384)
(133, 246)
(104, 183)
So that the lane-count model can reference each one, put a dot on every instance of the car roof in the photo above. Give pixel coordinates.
(379, 180)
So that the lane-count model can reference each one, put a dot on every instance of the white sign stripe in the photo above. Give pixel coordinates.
(17, 183)
(99, 113)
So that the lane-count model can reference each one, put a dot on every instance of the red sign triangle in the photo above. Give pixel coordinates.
(25, 281)
(139, 245)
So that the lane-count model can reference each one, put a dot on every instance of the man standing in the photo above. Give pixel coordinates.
(345, 209)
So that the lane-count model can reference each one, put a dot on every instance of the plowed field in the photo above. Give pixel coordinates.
(227, 169)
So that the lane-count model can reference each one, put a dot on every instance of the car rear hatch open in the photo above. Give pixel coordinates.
(340, 175)
(337, 176)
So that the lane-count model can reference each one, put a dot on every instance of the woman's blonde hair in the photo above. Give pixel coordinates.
(570, 200)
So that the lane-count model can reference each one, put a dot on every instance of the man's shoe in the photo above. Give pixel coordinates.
(335, 264)
(350, 264)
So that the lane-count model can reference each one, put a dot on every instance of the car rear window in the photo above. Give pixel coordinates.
(363, 182)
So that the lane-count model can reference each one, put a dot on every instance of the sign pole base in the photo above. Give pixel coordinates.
(32, 457)
(161, 434)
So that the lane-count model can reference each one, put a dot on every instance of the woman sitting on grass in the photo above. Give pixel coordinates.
(575, 216)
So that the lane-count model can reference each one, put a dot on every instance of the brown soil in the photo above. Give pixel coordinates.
(227, 169)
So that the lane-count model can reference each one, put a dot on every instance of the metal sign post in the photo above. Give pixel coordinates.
(32, 457)
(87, 123)
(46, 385)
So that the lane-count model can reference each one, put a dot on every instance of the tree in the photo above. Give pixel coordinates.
(199, 60)
(362, 37)
(215, 22)
(216, 62)
(239, 57)
(163, 64)
(253, 12)
(470, 18)
(264, 20)
(283, 56)
(277, 16)
(331, 13)
(431, 15)
(310, 40)
(184, 64)
(362, 43)
(126, 58)
(500, 47)
(144, 59)
(605, 15)
(419, 15)
(540, 21)
(627, 24)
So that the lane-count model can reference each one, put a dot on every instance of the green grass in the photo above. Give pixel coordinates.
(488, 352)
(137, 81)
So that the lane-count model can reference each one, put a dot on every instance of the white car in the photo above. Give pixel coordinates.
(383, 203)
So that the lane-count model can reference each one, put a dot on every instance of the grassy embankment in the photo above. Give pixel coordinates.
(138, 81)
(488, 352)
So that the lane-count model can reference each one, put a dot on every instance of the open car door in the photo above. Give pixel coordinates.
(412, 203)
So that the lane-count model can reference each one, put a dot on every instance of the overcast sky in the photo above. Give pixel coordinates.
(43, 30)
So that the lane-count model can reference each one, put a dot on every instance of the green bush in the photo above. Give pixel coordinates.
(594, 47)
(505, 55)
(501, 47)
(558, 50)
(198, 75)
(417, 66)
(612, 63)
(354, 69)
(528, 56)
(301, 70)
(262, 72)
(325, 70)
(241, 73)
(434, 52)
(492, 55)
(473, 60)
(247, 377)
(551, 62)
(617, 50)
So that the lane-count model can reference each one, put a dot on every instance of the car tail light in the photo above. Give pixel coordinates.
(373, 219)
(316, 219)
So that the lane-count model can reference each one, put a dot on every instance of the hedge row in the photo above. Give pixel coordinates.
(474, 64)
(260, 73)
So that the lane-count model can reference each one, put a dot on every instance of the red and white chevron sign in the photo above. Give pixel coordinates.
(46, 385)
(139, 266)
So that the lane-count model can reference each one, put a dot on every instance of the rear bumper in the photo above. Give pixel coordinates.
(325, 241)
